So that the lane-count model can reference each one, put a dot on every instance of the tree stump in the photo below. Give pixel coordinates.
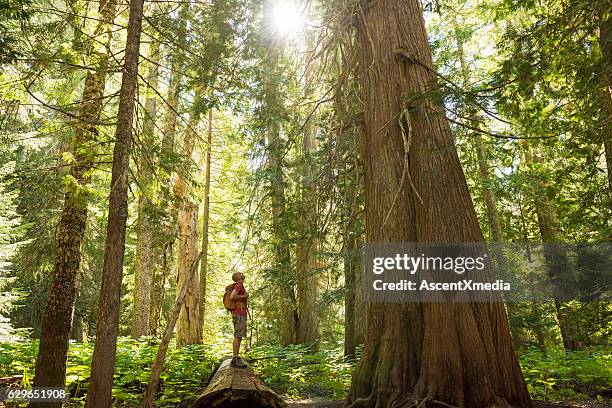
(237, 388)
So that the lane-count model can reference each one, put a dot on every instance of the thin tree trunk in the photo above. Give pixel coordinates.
(350, 282)
(460, 354)
(158, 364)
(354, 322)
(481, 153)
(99, 393)
(205, 220)
(57, 319)
(159, 288)
(605, 43)
(145, 257)
(558, 263)
(361, 322)
(537, 329)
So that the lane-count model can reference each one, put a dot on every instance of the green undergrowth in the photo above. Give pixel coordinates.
(555, 375)
(297, 372)
(294, 372)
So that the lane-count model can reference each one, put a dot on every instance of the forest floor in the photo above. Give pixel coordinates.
(311, 403)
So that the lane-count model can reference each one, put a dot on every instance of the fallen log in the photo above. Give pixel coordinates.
(237, 388)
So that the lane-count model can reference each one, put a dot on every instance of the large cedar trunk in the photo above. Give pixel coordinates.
(100, 388)
(434, 354)
(145, 248)
(57, 320)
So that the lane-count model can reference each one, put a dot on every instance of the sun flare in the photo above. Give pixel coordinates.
(287, 18)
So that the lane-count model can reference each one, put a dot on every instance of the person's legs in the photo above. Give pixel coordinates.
(239, 333)
(236, 347)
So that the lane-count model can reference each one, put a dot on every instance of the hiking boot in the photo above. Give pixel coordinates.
(238, 363)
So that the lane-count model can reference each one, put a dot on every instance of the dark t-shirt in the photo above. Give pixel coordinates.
(241, 304)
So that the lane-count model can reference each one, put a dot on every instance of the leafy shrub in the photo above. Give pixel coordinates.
(557, 375)
(296, 373)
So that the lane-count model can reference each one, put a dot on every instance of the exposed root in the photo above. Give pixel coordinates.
(363, 402)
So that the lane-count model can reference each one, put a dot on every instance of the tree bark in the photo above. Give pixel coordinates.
(103, 362)
(433, 354)
(189, 329)
(605, 43)
(158, 289)
(145, 229)
(57, 320)
(354, 322)
(350, 282)
(306, 265)
(289, 317)
(205, 220)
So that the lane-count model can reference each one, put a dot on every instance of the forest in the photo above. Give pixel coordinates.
(151, 151)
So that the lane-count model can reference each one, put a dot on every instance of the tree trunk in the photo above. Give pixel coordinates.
(282, 262)
(354, 322)
(205, 221)
(350, 296)
(433, 354)
(306, 263)
(189, 330)
(57, 320)
(99, 393)
(147, 401)
(556, 258)
(481, 153)
(158, 288)
(360, 306)
(605, 43)
(287, 299)
(237, 388)
(145, 229)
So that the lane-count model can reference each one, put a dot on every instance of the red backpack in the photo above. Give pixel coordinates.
(227, 301)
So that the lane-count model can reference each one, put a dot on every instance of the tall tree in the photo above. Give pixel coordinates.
(189, 329)
(206, 218)
(436, 354)
(145, 248)
(555, 255)
(57, 320)
(605, 44)
(103, 362)
(306, 262)
(276, 149)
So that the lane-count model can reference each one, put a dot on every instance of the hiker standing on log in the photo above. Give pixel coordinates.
(238, 299)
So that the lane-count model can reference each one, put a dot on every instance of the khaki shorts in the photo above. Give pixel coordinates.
(239, 326)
